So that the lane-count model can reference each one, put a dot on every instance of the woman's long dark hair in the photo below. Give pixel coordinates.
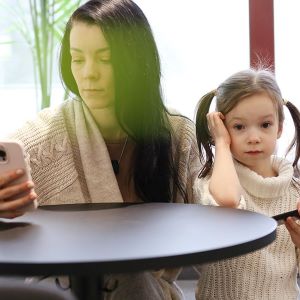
(138, 101)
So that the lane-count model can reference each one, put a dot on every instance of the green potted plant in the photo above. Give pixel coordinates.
(42, 30)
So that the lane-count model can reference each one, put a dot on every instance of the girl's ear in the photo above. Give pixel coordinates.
(280, 127)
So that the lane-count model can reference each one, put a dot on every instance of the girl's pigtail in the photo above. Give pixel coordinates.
(204, 138)
(296, 139)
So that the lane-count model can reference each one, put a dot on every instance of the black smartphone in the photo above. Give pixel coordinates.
(282, 217)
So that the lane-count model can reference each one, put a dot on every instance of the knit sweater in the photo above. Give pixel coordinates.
(70, 163)
(269, 273)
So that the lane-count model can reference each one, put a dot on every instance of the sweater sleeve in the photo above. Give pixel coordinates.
(187, 163)
(193, 169)
(48, 153)
(207, 198)
(186, 158)
(298, 259)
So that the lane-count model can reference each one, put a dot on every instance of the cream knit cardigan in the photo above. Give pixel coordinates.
(70, 163)
(269, 273)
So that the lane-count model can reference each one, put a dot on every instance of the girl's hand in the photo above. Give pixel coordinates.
(12, 208)
(294, 228)
(217, 128)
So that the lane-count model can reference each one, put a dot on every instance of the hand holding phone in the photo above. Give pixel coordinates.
(282, 217)
(16, 193)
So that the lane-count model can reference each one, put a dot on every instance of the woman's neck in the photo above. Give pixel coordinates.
(108, 124)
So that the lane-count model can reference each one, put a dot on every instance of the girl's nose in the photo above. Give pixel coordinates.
(254, 137)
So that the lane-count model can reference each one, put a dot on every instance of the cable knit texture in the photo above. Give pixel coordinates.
(65, 148)
(269, 273)
(70, 163)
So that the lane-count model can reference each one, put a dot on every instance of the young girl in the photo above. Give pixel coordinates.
(243, 172)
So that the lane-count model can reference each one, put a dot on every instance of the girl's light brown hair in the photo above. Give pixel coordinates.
(235, 88)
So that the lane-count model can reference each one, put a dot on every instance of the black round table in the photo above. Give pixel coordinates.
(90, 240)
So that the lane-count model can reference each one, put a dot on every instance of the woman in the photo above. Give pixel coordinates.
(115, 141)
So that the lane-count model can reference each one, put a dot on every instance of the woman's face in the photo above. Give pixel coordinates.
(91, 66)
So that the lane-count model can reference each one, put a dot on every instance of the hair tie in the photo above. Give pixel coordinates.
(284, 102)
(214, 92)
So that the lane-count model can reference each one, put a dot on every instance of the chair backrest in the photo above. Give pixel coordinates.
(14, 289)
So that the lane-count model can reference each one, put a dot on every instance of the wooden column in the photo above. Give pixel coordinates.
(261, 18)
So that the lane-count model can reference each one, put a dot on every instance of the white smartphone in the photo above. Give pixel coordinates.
(12, 158)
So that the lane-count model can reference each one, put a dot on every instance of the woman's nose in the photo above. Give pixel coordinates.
(91, 71)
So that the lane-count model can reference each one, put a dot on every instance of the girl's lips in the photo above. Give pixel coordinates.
(253, 152)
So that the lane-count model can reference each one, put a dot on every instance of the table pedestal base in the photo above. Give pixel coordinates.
(87, 287)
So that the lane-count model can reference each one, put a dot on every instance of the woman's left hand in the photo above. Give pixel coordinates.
(294, 228)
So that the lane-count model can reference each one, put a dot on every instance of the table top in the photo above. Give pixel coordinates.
(90, 238)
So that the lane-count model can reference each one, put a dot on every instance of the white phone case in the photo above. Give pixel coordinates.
(12, 158)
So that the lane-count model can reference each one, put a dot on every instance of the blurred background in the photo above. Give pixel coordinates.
(201, 43)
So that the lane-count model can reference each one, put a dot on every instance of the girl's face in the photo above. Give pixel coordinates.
(91, 65)
(254, 128)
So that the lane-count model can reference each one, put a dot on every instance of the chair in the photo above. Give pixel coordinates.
(16, 289)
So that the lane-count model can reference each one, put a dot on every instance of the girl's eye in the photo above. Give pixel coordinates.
(238, 126)
(266, 124)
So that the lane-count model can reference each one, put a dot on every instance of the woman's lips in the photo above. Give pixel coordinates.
(93, 90)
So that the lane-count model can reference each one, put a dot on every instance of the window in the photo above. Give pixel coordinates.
(287, 49)
(18, 97)
(200, 44)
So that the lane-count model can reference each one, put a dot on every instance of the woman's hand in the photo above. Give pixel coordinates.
(294, 228)
(13, 208)
(217, 128)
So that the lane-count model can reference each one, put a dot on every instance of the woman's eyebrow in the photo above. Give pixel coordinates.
(101, 50)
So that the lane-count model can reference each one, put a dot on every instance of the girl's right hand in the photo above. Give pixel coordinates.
(217, 128)
(294, 228)
(13, 208)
